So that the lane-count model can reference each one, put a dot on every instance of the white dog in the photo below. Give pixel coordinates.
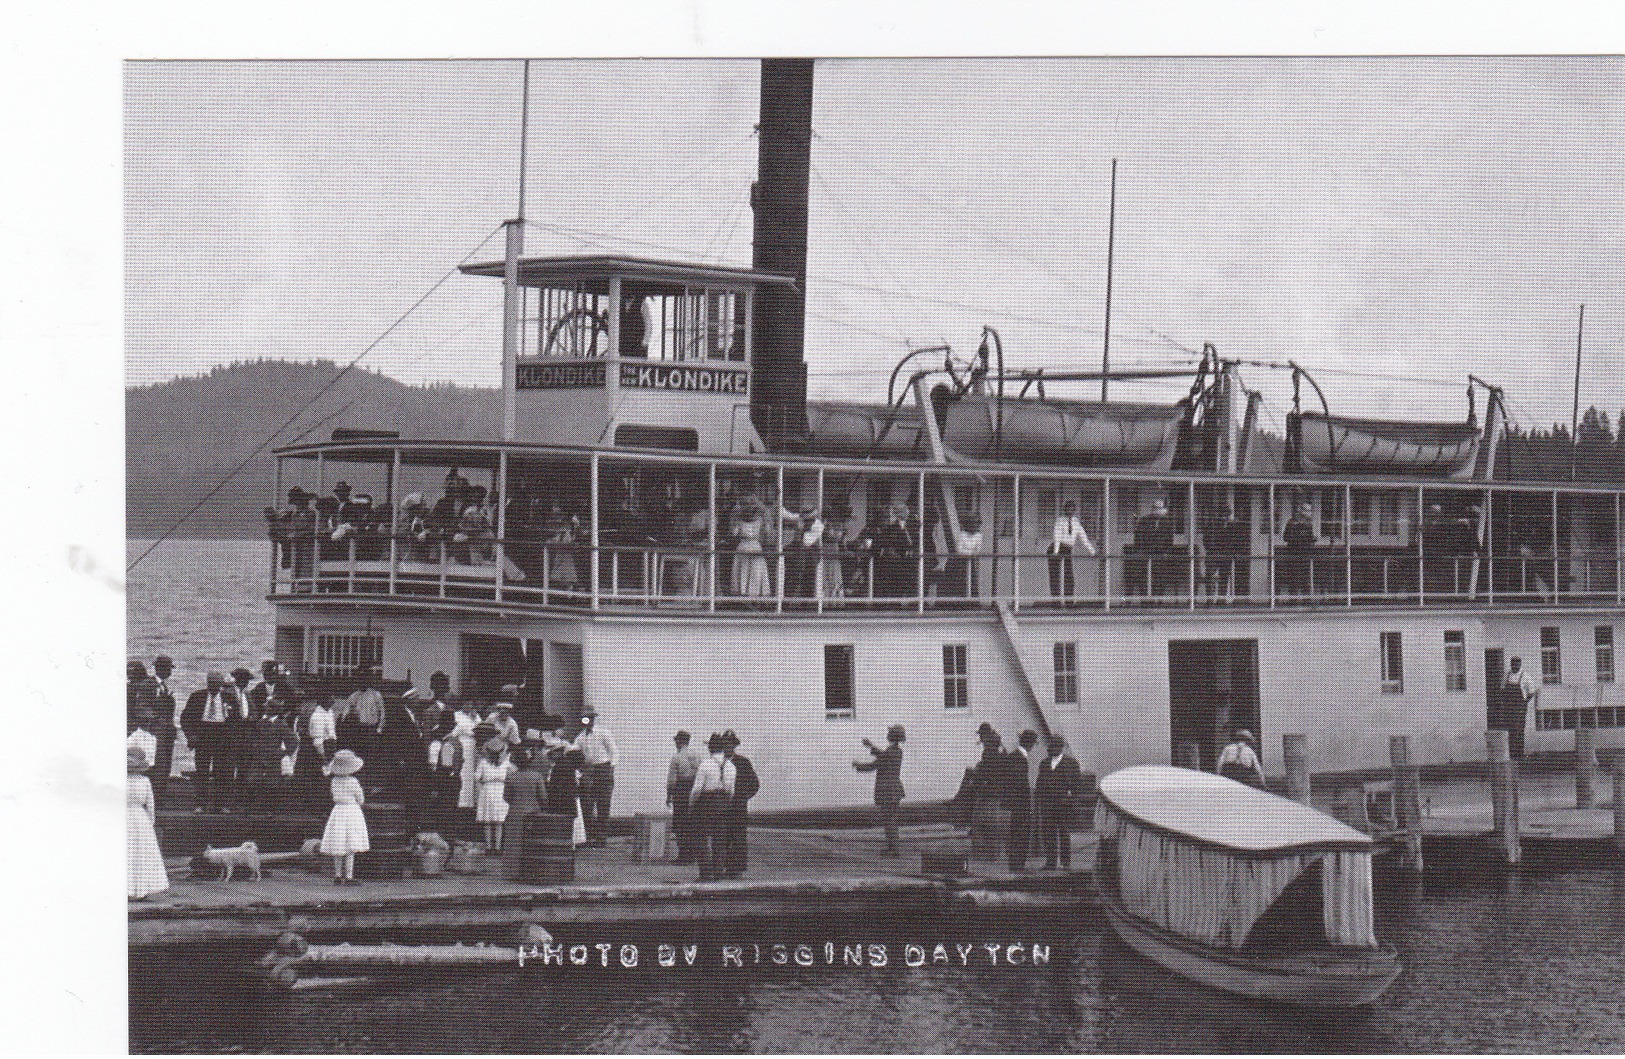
(246, 856)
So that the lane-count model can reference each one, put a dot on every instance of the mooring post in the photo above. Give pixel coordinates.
(1585, 767)
(1407, 799)
(1504, 796)
(1188, 755)
(1619, 800)
(1297, 767)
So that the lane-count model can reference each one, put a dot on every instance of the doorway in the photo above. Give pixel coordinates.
(1212, 690)
(1494, 677)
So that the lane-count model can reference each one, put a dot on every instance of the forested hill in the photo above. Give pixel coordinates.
(183, 436)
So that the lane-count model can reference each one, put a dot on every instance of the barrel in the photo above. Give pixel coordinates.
(547, 851)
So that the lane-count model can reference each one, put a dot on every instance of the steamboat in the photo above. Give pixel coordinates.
(675, 536)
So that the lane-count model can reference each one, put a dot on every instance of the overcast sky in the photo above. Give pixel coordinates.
(1388, 223)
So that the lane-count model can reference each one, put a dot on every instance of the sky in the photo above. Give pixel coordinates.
(1391, 224)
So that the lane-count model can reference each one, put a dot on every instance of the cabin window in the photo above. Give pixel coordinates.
(1388, 515)
(290, 647)
(1360, 515)
(1455, 660)
(1127, 496)
(1331, 514)
(1605, 654)
(1393, 664)
(955, 677)
(565, 322)
(340, 653)
(838, 680)
(1551, 655)
(1066, 672)
(702, 323)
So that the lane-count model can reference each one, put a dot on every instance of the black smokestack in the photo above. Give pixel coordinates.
(778, 402)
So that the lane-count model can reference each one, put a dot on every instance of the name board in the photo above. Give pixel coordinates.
(534, 376)
(691, 380)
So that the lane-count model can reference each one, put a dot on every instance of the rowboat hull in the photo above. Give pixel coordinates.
(1328, 979)
(1075, 433)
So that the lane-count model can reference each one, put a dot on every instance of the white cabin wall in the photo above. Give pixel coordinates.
(1520, 637)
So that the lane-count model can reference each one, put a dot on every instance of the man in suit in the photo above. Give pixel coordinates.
(1019, 798)
(1056, 794)
(206, 722)
(735, 856)
(887, 765)
(163, 716)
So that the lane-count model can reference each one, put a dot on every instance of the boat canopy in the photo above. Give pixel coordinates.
(1206, 857)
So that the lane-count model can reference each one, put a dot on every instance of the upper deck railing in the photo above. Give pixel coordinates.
(566, 531)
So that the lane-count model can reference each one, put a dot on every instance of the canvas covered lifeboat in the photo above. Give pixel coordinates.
(1342, 444)
(1075, 433)
(853, 429)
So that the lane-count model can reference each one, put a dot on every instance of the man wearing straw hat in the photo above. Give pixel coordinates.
(599, 756)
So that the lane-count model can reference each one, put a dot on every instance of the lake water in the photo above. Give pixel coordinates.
(1527, 962)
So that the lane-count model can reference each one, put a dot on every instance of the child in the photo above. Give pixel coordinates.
(147, 875)
(491, 777)
(346, 833)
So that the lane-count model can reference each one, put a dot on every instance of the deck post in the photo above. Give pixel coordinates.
(1585, 767)
(1555, 589)
(502, 521)
(1015, 559)
(1106, 537)
(394, 518)
(1619, 800)
(1269, 539)
(1348, 545)
(919, 545)
(779, 508)
(1407, 800)
(711, 539)
(1504, 796)
(1421, 548)
(276, 505)
(1293, 753)
(592, 472)
(818, 563)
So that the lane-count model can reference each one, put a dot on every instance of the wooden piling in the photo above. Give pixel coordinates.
(1188, 755)
(1407, 800)
(1619, 800)
(1504, 796)
(1585, 767)
(1295, 755)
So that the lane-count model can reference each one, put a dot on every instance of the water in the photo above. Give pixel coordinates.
(1532, 962)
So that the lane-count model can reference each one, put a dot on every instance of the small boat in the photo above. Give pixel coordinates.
(1239, 889)
(849, 428)
(1347, 445)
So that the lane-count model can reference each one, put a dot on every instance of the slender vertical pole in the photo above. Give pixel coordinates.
(592, 470)
(1585, 767)
(502, 520)
(1269, 537)
(515, 245)
(287, 542)
(1015, 572)
(919, 547)
(1407, 799)
(818, 562)
(778, 544)
(1294, 754)
(1504, 796)
(1190, 540)
(1106, 542)
(1111, 240)
(1555, 589)
(1574, 420)
(711, 539)
(1348, 545)
(394, 522)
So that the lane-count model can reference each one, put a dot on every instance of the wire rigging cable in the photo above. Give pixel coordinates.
(302, 409)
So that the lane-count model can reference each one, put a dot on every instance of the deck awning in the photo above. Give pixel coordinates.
(1204, 809)
(648, 275)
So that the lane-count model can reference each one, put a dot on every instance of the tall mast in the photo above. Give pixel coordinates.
(515, 231)
(1574, 422)
(1111, 239)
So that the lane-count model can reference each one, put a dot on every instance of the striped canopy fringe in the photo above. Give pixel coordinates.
(1211, 896)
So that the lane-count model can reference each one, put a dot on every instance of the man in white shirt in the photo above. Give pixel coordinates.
(1519, 692)
(711, 799)
(1066, 537)
(960, 576)
(685, 765)
(206, 721)
(806, 540)
(600, 757)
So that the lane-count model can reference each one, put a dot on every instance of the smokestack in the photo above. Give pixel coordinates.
(778, 402)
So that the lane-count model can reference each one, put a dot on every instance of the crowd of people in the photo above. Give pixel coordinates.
(1037, 799)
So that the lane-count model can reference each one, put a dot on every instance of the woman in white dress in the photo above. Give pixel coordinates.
(463, 722)
(147, 875)
(750, 573)
(346, 831)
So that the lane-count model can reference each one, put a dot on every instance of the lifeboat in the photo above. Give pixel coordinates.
(1341, 444)
(1075, 433)
(850, 429)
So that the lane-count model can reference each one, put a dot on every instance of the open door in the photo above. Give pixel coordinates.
(1494, 680)
(1212, 690)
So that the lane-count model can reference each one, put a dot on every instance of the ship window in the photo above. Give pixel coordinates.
(1551, 655)
(1331, 514)
(1605, 654)
(838, 680)
(955, 677)
(1128, 506)
(1388, 515)
(1455, 660)
(570, 322)
(1393, 664)
(340, 653)
(701, 323)
(1360, 515)
(1066, 672)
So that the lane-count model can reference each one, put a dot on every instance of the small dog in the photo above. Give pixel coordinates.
(246, 856)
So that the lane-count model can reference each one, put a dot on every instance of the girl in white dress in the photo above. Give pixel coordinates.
(491, 774)
(147, 875)
(346, 833)
(750, 573)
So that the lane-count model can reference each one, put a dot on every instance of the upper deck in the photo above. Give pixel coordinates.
(516, 526)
